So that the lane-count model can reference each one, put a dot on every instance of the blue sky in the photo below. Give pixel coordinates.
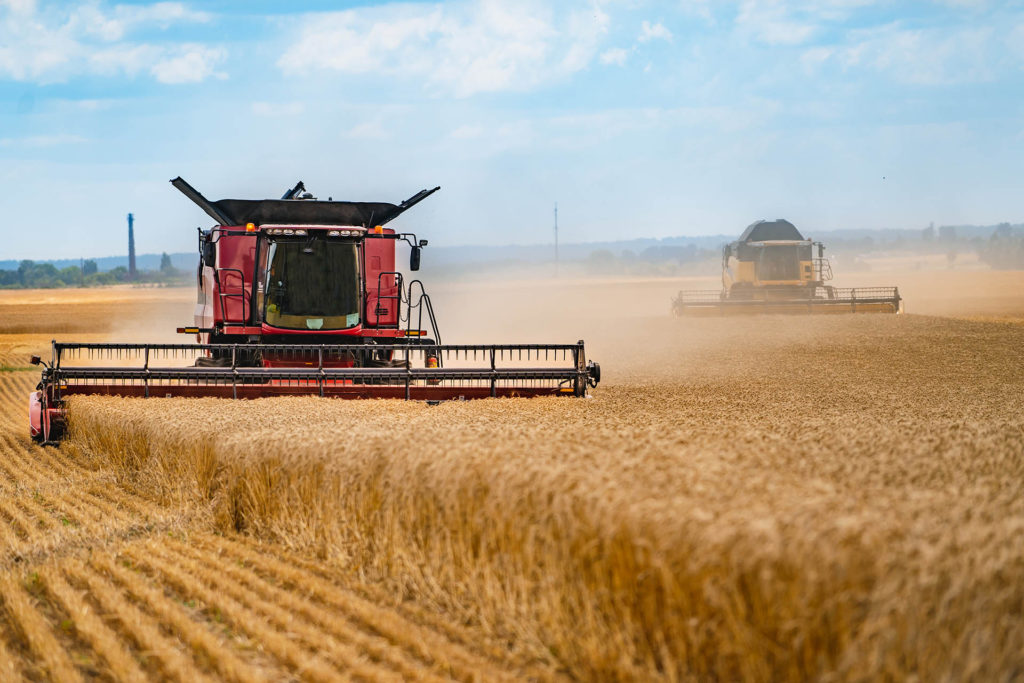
(638, 118)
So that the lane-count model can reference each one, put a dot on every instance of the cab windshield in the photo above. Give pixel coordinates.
(312, 285)
(779, 262)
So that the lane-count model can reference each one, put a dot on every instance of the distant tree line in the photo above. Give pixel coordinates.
(32, 275)
(1004, 249)
(656, 260)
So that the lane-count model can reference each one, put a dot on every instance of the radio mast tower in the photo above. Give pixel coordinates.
(131, 247)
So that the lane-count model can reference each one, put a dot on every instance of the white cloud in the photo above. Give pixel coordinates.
(89, 105)
(52, 43)
(698, 8)
(494, 137)
(597, 129)
(969, 4)
(923, 56)
(609, 123)
(192, 64)
(162, 14)
(813, 58)
(500, 138)
(653, 32)
(121, 58)
(770, 22)
(467, 132)
(648, 32)
(615, 55)
(465, 48)
(278, 109)
(370, 130)
(583, 35)
(121, 19)
(19, 6)
(43, 140)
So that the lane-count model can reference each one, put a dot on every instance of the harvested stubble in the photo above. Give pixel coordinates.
(843, 499)
(74, 604)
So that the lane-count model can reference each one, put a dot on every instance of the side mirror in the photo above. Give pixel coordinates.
(209, 256)
(414, 259)
(35, 360)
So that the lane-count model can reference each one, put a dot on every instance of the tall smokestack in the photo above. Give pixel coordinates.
(131, 246)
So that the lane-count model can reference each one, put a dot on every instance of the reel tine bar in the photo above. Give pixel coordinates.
(240, 373)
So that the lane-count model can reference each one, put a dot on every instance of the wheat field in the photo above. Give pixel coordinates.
(760, 499)
(98, 582)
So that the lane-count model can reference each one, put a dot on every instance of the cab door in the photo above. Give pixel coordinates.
(383, 293)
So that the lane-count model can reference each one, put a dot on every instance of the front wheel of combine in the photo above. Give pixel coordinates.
(55, 433)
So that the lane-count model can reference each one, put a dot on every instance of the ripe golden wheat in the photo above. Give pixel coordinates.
(773, 499)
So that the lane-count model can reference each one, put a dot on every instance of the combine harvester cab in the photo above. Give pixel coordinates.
(772, 268)
(301, 297)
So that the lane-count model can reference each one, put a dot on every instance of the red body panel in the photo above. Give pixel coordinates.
(356, 331)
(236, 262)
(382, 300)
(288, 362)
(266, 329)
(35, 414)
(225, 300)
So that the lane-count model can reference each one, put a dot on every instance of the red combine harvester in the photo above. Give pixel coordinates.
(301, 297)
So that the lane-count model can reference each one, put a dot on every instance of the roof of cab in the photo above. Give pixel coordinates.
(765, 231)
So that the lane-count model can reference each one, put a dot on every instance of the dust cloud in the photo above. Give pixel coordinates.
(626, 323)
(628, 326)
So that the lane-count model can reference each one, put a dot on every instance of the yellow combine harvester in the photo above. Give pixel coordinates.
(772, 268)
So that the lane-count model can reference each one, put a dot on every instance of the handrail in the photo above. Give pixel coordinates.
(221, 294)
(422, 302)
(824, 268)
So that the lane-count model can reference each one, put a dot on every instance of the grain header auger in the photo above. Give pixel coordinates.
(772, 268)
(302, 297)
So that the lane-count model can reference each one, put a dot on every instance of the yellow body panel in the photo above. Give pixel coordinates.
(746, 273)
(777, 283)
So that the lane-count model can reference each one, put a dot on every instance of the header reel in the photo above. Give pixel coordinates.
(248, 371)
